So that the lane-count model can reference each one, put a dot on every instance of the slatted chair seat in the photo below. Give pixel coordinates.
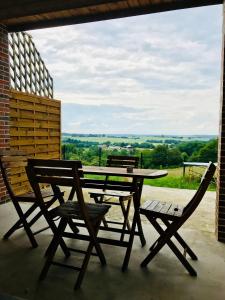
(173, 216)
(169, 211)
(120, 197)
(125, 195)
(71, 209)
(14, 162)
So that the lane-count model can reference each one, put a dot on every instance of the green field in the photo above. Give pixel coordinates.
(133, 138)
(175, 179)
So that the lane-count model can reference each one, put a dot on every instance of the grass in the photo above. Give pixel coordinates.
(175, 179)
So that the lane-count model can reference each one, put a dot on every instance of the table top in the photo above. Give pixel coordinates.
(112, 171)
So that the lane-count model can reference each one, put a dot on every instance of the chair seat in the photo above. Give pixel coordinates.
(121, 194)
(71, 209)
(30, 196)
(162, 209)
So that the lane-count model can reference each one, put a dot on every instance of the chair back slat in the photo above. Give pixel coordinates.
(46, 171)
(61, 181)
(54, 167)
(205, 182)
(108, 185)
(87, 181)
(54, 163)
(122, 161)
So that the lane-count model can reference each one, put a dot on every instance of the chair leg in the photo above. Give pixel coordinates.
(99, 201)
(73, 227)
(26, 225)
(125, 211)
(54, 230)
(161, 243)
(130, 242)
(84, 266)
(40, 214)
(182, 259)
(53, 247)
(158, 245)
(183, 243)
(140, 230)
(176, 251)
(87, 258)
(18, 224)
(93, 231)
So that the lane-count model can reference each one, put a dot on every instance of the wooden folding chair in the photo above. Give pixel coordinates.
(105, 196)
(59, 173)
(173, 217)
(12, 164)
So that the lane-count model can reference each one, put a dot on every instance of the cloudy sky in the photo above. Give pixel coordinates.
(153, 74)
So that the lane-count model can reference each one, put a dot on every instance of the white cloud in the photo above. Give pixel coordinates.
(153, 63)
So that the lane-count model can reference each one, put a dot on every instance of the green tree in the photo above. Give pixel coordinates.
(174, 157)
(190, 147)
(184, 156)
(207, 153)
(159, 156)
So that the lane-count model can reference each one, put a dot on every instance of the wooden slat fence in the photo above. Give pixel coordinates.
(35, 128)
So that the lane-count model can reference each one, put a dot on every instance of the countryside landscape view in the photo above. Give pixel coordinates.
(155, 151)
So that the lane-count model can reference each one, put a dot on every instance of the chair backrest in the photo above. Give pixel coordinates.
(122, 161)
(12, 164)
(56, 173)
(205, 181)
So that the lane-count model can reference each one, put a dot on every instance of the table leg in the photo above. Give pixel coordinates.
(137, 204)
(140, 230)
(136, 221)
(130, 243)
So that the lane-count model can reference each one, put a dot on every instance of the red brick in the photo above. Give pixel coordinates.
(4, 100)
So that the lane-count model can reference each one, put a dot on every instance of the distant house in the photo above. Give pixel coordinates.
(129, 147)
(115, 147)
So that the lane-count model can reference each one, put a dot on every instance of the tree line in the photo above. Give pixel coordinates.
(162, 155)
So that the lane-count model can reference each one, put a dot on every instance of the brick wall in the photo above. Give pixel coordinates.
(4, 99)
(220, 207)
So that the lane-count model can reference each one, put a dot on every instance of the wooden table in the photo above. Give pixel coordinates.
(138, 176)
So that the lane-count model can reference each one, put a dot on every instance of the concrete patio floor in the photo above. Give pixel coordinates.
(164, 278)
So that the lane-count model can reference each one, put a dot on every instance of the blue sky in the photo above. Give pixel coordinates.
(153, 74)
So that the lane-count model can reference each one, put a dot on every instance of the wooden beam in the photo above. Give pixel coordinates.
(16, 9)
(127, 12)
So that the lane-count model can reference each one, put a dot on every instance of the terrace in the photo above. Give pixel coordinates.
(19, 264)
(165, 278)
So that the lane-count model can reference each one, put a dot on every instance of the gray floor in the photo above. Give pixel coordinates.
(164, 278)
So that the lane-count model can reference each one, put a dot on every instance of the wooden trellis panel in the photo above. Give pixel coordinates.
(28, 72)
(35, 128)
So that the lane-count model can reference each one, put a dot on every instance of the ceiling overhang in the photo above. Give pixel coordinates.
(20, 15)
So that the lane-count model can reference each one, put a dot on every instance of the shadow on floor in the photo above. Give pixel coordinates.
(164, 278)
